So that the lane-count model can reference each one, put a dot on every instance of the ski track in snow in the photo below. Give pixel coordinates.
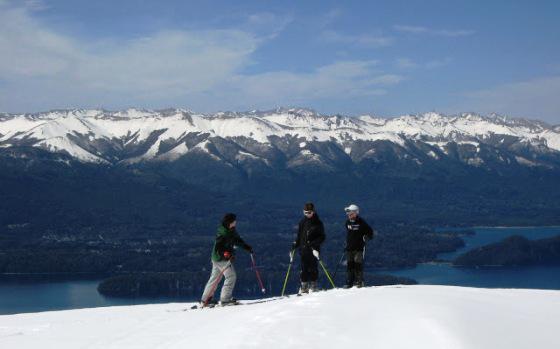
(376, 317)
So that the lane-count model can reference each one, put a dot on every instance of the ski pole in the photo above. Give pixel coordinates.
(288, 273)
(338, 264)
(316, 254)
(215, 285)
(363, 258)
(258, 274)
(327, 273)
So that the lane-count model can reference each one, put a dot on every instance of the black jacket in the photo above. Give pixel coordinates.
(311, 233)
(356, 231)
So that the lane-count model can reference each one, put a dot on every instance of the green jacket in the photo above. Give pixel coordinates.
(226, 240)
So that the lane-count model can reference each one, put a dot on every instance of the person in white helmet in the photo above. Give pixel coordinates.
(358, 231)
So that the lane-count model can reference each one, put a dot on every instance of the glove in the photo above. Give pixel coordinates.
(249, 249)
(316, 254)
(227, 255)
(294, 246)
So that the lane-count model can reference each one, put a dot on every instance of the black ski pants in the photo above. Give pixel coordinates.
(354, 267)
(309, 271)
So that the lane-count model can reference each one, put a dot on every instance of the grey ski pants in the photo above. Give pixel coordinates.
(215, 279)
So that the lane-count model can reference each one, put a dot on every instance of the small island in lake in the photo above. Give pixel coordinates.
(513, 251)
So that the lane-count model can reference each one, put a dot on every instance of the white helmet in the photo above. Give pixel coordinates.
(352, 208)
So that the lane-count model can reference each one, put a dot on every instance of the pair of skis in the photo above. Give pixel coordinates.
(237, 303)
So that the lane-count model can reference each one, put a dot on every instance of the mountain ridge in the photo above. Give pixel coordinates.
(110, 137)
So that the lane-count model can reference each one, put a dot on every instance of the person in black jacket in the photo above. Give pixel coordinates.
(311, 234)
(358, 231)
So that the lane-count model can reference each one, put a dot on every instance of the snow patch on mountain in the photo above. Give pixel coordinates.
(175, 153)
(62, 144)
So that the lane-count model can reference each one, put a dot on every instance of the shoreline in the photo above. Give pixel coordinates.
(500, 227)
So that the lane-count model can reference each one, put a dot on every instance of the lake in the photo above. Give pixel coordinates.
(540, 277)
(21, 293)
(26, 293)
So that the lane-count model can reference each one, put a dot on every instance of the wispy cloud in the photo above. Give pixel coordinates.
(267, 22)
(351, 79)
(326, 19)
(362, 40)
(408, 64)
(41, 66)
(204, 69)
(436, 63)
(536, 98)
(438, 32)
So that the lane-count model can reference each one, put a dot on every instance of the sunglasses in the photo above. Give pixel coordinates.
(307, 213)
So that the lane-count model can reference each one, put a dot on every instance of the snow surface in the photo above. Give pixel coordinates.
(375, 317)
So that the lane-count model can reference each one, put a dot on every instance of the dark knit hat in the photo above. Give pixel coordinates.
(309, 207)
(228, 219)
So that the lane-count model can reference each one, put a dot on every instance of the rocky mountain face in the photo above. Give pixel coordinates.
(156, 166)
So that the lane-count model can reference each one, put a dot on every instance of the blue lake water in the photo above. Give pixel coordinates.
(20, 294)
(24, 294)
(540, 277)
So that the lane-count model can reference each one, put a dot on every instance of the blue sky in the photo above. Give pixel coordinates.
(353, 57)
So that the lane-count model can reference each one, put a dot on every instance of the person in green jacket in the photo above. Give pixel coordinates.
(223, 255)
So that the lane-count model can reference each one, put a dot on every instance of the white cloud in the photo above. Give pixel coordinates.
(44, 65)
(362, 40)
(43, 69)
(536, 99)
(409, 64)
(438, 32)
(351, 79)
(436, 63)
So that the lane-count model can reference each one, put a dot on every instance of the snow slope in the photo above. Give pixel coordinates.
(376, 317)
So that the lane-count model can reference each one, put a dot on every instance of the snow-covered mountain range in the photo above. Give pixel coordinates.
(283, 137)
(381, 317)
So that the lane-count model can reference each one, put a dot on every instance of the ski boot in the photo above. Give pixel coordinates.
(210, 304)
(227, 303)
(313, 287)
(359, 279)
(304, 287)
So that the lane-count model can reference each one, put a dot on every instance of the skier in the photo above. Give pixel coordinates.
(358, 231)
(223, 255)
(311, 235)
